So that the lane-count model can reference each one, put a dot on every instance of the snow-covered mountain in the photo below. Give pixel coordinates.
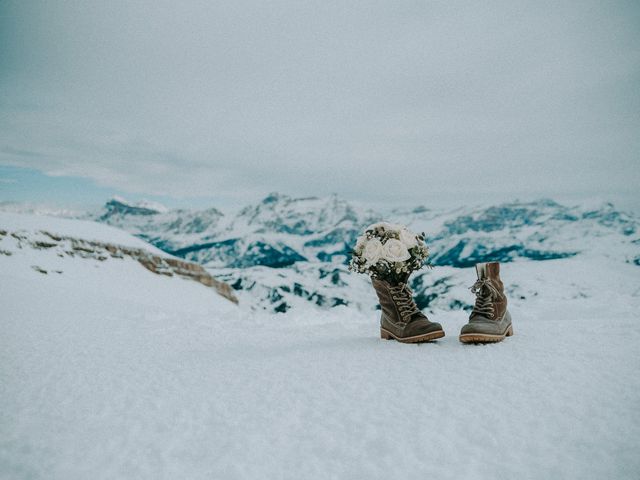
(167, 229)
(540, 230)
(283, 250)
(277, 232)
(280, 231)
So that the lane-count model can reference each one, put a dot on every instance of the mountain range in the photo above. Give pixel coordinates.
(284, 250)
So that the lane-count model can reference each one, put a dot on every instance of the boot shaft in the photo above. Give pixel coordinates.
(395, 301)
(491, 301)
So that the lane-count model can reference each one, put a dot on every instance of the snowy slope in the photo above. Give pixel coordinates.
(111, 371)
(86, 230)
(55, 244)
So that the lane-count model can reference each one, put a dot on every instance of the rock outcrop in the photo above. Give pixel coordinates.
(102, 251)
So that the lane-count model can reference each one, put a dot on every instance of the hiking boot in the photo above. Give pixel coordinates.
(490, 320)
(401, 318)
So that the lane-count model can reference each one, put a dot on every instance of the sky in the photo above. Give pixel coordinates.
(410, 102)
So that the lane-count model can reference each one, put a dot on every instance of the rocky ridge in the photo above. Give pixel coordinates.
(66, 246)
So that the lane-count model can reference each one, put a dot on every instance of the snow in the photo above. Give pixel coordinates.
(83, 229)
(110, 371)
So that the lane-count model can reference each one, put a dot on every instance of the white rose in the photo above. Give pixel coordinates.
(360, 243)
(372, 251)
(395, 251)
(408, 238)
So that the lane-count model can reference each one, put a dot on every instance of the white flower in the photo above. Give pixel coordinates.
(360, 244)
(408, 238)
(395, 251)
(372, 251)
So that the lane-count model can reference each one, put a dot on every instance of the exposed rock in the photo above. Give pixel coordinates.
(44, 244)
(57, 238)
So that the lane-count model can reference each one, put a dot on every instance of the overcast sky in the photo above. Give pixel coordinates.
(396, 101)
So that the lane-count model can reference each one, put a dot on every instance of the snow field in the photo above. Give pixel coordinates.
(110, 371)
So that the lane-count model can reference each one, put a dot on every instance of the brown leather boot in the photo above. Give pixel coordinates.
(490, 320)
(401, 318)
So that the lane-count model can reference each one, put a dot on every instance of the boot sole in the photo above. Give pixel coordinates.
(427, 337)
(485, 338)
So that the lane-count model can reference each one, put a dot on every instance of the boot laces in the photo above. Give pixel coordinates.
(485, 292)
(403, 297)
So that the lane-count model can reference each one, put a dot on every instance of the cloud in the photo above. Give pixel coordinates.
(366, 99)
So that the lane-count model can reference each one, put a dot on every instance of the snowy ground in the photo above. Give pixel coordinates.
(110, 371)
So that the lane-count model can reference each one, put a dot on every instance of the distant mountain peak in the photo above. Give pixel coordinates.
(273, 197)
(118, 204)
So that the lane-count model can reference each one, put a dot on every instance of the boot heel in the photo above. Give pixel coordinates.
(510, 331)
(384, 335)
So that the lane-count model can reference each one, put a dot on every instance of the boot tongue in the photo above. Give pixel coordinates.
(492, 270)
(488, 270)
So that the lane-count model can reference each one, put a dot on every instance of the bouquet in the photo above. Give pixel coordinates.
(389, 252)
